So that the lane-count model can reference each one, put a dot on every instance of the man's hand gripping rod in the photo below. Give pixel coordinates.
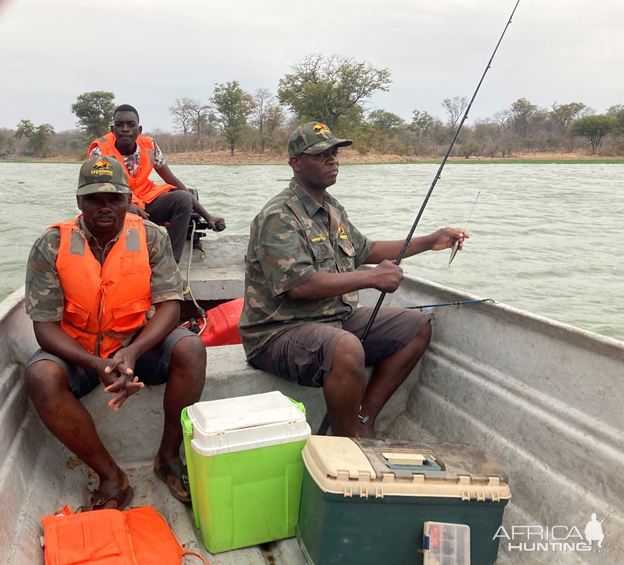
(437, 177)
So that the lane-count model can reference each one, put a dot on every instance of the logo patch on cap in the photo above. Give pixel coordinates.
(321, 129)
(102, 168)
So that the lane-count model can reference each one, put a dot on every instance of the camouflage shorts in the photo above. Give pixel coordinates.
(304, 354)
(152, 367)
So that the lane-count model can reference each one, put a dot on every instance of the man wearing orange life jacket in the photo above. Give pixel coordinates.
(170, 203)
(89, 284)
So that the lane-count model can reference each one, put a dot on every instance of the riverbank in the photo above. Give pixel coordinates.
(347, 157)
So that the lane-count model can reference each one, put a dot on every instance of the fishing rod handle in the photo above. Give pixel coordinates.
(371, 320)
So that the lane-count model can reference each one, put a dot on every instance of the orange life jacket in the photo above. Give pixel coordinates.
(139, 536)
(143, 189)
(104, 304)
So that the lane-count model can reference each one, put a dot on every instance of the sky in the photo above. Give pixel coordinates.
(150, 52)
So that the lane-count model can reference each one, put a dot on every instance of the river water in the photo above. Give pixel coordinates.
(545, 238)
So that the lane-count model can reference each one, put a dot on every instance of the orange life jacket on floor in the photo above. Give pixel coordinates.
(104, 304)
(143, 189)
(139, 536)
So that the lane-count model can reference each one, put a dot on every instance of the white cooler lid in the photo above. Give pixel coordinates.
(246, 422)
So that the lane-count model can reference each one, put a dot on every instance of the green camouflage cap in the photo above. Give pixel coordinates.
(313, 138)
(102, 174)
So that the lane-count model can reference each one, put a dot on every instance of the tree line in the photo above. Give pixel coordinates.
(335, 90)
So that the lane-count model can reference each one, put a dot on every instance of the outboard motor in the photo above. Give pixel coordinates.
(200, 224)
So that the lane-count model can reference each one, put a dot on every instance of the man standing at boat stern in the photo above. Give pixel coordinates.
(300, 320)
(167, 204)
(90, 283)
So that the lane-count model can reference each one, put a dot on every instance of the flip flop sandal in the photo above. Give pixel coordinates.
(179, 471)
(100, 498)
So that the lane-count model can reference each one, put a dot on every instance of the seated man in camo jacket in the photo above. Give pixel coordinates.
(300, 320)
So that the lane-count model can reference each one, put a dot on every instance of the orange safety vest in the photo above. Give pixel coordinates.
(104, 304)
(139, 536)
(143, 189)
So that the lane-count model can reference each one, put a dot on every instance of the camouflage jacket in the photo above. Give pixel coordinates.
(44, 294)
(292, 239)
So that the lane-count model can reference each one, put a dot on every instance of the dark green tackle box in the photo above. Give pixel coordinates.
(365, 502)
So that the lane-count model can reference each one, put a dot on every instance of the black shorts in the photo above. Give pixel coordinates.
(152, 367)
(304, 355)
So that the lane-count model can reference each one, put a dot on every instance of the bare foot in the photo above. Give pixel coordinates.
(365, 430)
(174, 482)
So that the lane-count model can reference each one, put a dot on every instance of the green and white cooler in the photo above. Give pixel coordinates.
(368, 502)
(245, 468)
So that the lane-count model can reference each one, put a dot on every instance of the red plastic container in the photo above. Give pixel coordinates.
(222, 324)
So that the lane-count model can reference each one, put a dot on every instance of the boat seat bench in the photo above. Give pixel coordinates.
(227, 375)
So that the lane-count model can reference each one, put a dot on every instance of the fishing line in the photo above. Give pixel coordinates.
(514, 60)
(473, 208)
(456, 246)
(438, 175)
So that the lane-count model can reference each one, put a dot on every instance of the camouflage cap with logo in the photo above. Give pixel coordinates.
(102, 174)
(313, 138)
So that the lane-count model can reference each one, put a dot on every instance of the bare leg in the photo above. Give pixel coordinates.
(344, 386)
(184, 387)
(388, 376)
(66, 417)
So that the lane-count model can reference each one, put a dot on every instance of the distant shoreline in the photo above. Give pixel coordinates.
(348, 157)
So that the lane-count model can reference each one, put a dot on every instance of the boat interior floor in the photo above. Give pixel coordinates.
(57, 478)
(542, 398)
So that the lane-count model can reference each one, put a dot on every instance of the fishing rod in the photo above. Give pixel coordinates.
(324, 427)
(437, 177)
(458, 304)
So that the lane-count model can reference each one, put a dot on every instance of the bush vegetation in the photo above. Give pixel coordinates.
(335, 90)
